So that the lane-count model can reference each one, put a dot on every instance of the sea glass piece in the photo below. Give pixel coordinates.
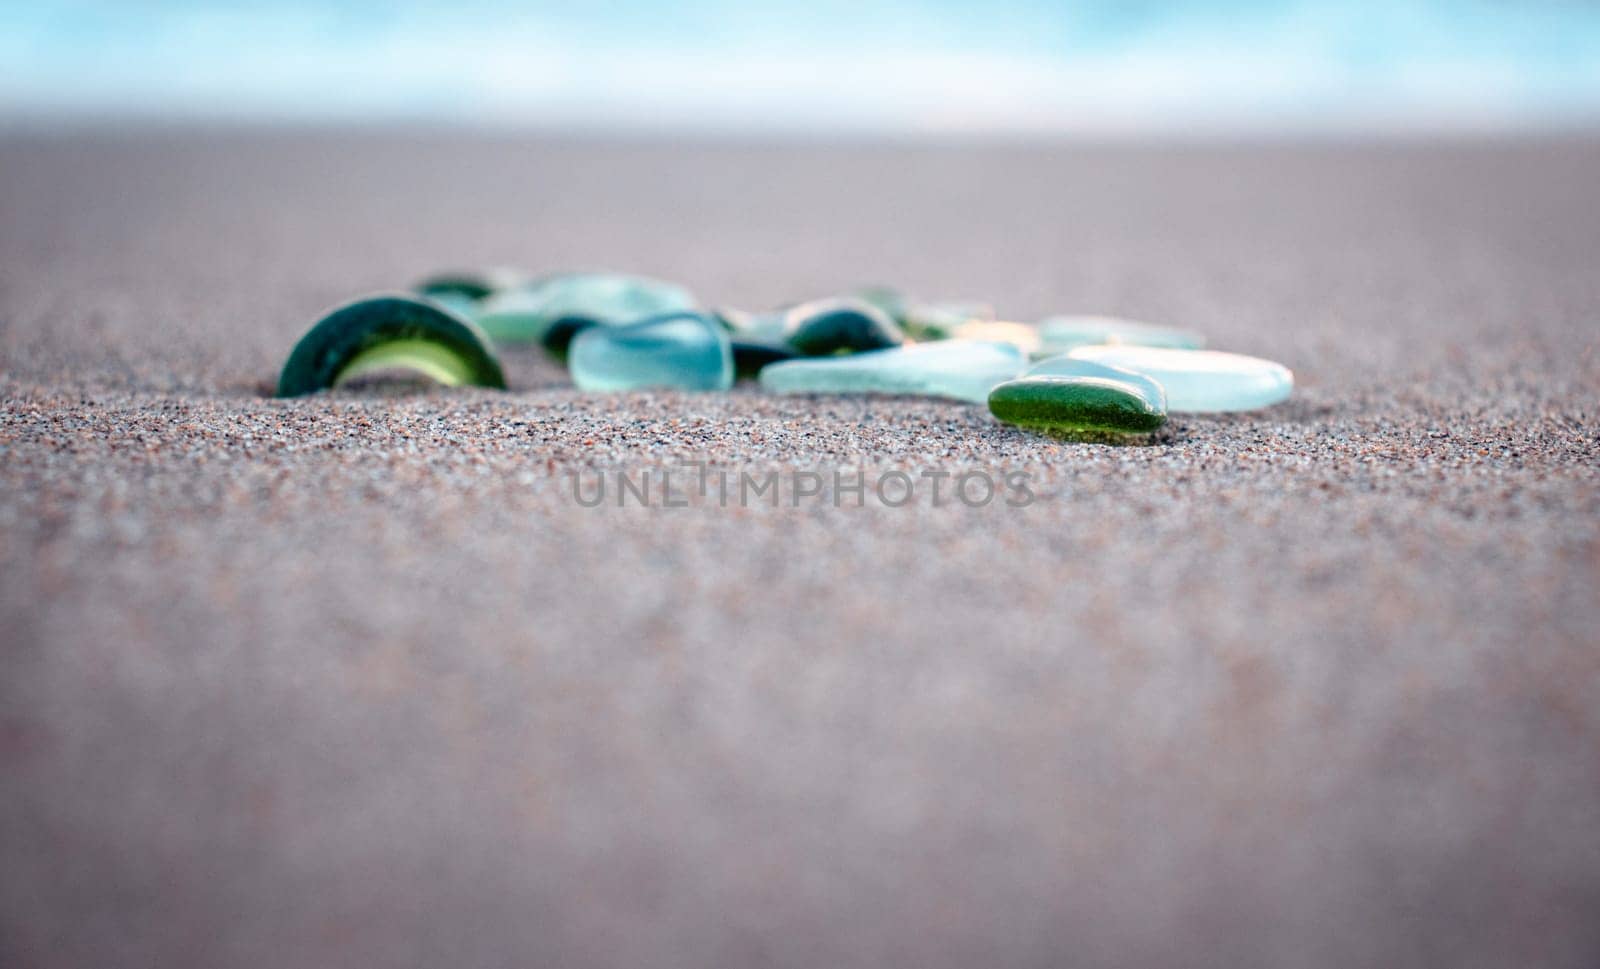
(1067, 366)
(826, 326)
(552, 310)
(959, 369)
(463, 290)
(685, 351)
(1080, 407)
(1061, 333)
(390, 332)
(1201, 381)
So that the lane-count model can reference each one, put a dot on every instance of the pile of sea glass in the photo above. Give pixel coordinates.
(1085, 377)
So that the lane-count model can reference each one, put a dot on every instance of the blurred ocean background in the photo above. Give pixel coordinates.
(912, 66)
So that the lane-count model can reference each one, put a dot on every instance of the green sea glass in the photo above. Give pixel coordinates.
(1089, 408)
(390, 332)
(1066, 366)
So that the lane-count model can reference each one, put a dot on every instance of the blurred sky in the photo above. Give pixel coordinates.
(1021, 66)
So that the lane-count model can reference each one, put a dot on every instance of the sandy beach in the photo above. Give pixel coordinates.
(353, 680)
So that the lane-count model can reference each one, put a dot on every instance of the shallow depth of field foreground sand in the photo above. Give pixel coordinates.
(353, 681)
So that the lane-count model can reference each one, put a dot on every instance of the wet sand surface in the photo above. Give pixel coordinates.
(353, 680)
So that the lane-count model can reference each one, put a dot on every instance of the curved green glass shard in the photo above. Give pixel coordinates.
(1059, 334)
(959, 369)
(386, 332)
(685, 351)
(552, 310)
(1089, 408)
(828, 326)
(1201, 381)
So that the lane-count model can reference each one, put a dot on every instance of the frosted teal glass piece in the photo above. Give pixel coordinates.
(550, 311)
(1201, 381)
(1065, 366)
(1062, 333)
(961, 369)
(685, 351)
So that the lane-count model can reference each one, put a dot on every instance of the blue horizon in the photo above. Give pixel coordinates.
(1021, 66)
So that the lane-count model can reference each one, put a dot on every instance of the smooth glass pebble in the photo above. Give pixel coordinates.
(1201, 381)
(1062, 333)
(827, 326)
(960, 369)
(550, 311)
(1065, 366)
(1085, 407)
(685, 351)
(389, 332)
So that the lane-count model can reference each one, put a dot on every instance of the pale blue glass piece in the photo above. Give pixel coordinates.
(1065, 366)
(1200, 381)
(1059, 334)
(684, 351)
(960, 369)
(551, 310)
